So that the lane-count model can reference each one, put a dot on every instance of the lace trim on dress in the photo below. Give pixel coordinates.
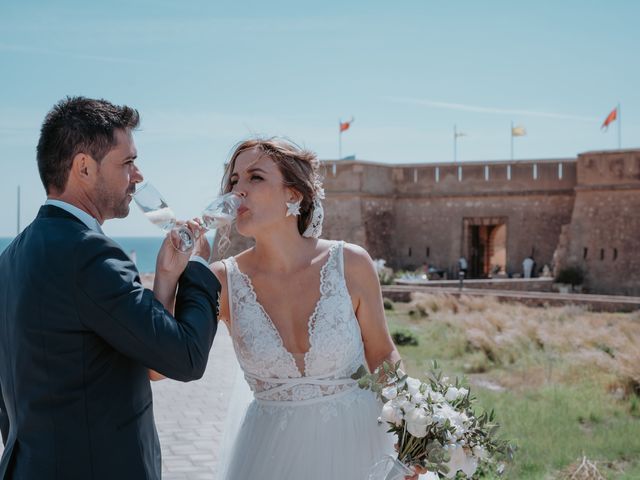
(335, 342)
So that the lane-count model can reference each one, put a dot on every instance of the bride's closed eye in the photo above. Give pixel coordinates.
(234, 182)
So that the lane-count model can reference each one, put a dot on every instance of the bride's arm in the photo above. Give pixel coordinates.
(364, 288)
(366, 294)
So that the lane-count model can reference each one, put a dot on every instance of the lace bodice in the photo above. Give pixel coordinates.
(336, 349)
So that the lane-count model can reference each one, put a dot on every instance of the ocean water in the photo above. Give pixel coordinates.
(145, 248)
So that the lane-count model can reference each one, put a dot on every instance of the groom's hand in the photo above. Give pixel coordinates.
(171, 262)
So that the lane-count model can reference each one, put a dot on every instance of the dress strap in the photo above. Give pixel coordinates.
(341, 257)
(228, 263)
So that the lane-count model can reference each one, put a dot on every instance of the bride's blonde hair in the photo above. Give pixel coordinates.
(299, 168)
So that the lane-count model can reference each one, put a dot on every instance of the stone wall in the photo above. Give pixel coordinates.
(604, 233)
(414, 214)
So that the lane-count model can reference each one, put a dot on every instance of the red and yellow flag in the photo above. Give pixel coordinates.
(345, 125)
(610, 118)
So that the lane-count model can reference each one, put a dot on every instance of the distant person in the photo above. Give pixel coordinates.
(528, 265)
(463, 265)
(78, 332)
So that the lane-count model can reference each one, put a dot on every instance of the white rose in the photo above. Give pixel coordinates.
(390, 392)
(451, 395)
(436, 397)
(479, 452)
(418, 399)
(402, 402)
(417, 422)
(462, 392)
(442, 413)
(460, 461)
(413, 385)
(391, 414)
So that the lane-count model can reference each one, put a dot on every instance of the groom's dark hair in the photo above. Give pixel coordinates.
(78, 125)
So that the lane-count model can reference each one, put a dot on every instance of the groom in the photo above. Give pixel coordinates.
(78, 332)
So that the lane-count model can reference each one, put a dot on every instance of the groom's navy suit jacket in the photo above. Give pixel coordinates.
(77, 335)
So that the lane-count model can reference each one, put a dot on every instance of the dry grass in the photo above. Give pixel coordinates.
(582, 469)
(506, 334)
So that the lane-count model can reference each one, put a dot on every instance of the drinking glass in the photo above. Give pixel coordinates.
(221, 211)
(156, 209)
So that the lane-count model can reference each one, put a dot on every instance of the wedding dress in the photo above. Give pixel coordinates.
(311, 425)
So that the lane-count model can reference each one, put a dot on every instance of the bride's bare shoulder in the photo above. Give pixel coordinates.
(219, 268)
(356, 257)
(359, 269)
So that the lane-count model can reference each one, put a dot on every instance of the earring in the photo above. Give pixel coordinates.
(293, 208)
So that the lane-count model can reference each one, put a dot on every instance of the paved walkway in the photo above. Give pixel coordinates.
(190, 416)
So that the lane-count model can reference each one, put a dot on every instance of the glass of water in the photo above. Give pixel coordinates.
(156, 209)
(221, 211)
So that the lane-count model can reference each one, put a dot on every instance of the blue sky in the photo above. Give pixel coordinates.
(205, 75)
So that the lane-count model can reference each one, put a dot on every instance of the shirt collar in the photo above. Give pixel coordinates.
(83, 216)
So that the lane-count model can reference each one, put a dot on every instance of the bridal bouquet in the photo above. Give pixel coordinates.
(434, 422)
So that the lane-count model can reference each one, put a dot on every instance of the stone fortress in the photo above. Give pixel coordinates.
(582, 212)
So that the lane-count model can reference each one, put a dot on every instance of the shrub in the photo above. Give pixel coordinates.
(385, 274)
(572, 275)
(388, 304)
(404, 337)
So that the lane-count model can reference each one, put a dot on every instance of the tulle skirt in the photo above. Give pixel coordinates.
(338, 437)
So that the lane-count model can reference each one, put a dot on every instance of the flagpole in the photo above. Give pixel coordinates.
(455, 141)
(619, 127)
(18, 213)
(511, 135)
(339, 139)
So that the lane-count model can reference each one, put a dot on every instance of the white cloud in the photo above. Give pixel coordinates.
(492, 110)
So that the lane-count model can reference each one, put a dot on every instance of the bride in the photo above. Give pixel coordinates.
(303, 313)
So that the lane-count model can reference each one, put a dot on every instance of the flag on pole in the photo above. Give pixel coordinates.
(518, 131)
(610, 119)
(345, 125)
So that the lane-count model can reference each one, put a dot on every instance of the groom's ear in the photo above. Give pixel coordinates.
(83, 168)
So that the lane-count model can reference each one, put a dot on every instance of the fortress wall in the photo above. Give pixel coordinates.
(450, 179)
(422, 208)
(434, 226)
(604, 234)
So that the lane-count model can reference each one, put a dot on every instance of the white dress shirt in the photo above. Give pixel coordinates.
(81, 215)
(94, 225)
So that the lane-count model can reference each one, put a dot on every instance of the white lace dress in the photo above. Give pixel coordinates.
(315, 426)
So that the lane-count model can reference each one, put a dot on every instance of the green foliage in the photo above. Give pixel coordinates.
(385, 276)
(388, 304)
(404, 337)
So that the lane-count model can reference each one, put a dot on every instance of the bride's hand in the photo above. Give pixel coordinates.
(416, 468)
(155, 376)
(419, 471)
